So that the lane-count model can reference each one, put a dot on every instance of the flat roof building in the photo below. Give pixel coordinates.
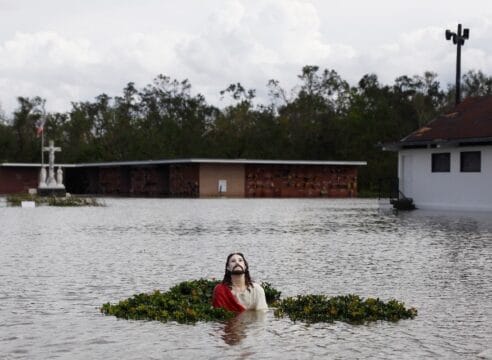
(196, 177)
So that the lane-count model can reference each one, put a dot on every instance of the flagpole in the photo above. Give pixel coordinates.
(42, 147)
(43, 120)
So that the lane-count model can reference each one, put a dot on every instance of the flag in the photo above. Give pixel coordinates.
(39, 127)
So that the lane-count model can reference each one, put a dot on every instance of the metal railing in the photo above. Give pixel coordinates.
(390, 188)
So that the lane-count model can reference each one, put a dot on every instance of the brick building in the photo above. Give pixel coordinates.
(196, 178)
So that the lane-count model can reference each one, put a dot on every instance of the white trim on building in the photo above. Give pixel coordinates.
(198, 161)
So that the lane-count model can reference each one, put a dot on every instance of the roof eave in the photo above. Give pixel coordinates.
(436, 142)
(195, 161)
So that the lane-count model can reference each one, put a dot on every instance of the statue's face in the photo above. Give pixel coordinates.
(236, 264)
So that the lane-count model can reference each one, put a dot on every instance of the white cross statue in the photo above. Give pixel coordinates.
(51, 181)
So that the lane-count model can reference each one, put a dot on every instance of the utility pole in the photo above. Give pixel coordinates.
(459, 40)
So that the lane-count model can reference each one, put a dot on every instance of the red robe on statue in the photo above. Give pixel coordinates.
(223, 298)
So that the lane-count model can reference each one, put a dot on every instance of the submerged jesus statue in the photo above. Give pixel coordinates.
(237, 292)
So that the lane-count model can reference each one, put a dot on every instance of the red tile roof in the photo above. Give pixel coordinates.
(471, 119)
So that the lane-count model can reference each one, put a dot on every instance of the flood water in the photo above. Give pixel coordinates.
(59, 265)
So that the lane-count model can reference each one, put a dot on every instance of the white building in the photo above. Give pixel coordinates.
(447, 164)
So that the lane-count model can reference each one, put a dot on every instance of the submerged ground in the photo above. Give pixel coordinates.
(58, 265)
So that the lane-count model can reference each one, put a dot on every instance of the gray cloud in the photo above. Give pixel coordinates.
(75, 54)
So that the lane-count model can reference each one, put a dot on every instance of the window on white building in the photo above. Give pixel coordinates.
(470, 161)
(441, 162)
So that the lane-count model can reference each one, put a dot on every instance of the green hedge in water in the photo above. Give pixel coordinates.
(190, 301)
(17, 199)
(349, 308)
(186, 302)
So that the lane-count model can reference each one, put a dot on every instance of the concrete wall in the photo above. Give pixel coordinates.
(232, 174)
(452, 190)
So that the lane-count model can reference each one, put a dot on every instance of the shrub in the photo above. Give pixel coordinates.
(349, 308)
(190, 301)
(16, 200)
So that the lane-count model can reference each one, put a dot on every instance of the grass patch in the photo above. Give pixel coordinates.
(17, 199)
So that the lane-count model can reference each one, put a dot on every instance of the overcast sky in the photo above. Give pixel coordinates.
(73, 50)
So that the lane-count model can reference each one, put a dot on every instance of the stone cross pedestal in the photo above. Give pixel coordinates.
(51, 186)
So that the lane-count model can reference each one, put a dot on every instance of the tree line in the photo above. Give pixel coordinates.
(322, 118)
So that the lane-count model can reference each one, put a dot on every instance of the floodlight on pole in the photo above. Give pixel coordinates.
(458, 40)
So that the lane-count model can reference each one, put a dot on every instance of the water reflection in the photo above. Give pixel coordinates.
(236, 329)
